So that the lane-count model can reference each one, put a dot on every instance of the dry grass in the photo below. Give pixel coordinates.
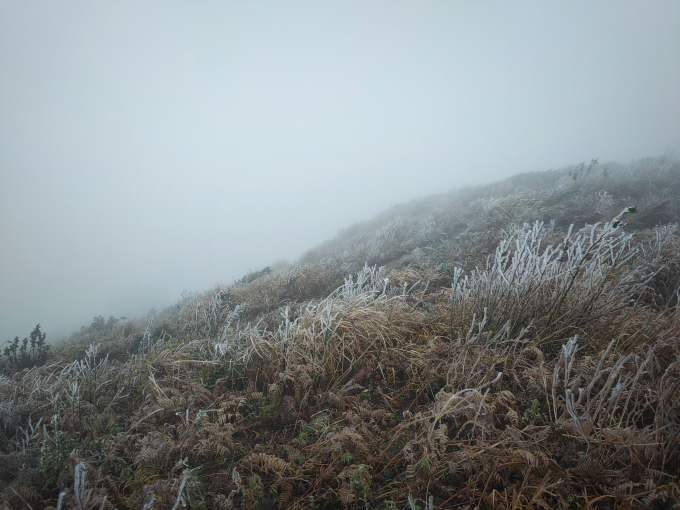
(546, 378)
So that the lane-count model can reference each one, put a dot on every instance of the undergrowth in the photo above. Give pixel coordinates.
(545, 374)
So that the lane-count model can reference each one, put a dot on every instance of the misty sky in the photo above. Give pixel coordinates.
(152, 147)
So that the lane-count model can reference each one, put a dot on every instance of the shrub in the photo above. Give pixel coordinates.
(27, 353)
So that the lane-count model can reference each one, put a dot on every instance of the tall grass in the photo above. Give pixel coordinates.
(546, 376)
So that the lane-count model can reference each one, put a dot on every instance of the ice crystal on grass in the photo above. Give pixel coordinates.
(513, 363)
(529, 284)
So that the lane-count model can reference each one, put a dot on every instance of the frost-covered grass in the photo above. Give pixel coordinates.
(547, 375)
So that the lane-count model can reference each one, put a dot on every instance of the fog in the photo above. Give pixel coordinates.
(151, 147)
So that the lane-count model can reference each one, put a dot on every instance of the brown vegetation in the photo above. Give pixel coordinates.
(546, 377)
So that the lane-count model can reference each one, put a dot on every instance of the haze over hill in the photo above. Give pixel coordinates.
(460, 228)
(505, 345)
(148, 150)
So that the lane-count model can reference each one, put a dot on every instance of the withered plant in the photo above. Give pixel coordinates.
(542, 373)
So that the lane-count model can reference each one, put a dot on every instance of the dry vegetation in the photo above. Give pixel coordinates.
(497, 358)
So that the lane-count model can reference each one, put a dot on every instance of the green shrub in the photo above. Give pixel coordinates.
(54, 454)
(27, 353)
(360, 482)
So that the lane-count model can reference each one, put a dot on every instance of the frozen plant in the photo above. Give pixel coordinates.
(528, 283)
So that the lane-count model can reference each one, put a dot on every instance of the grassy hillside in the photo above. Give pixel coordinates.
(514, 345)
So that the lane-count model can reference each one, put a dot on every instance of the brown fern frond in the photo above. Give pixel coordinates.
(524, 456)
(268, 463)
(513, 417)
(26, 493)
(371, 414)
(287, 492)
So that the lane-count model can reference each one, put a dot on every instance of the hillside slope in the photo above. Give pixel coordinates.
(506, 346)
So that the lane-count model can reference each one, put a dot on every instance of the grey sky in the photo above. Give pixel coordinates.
(152, 147)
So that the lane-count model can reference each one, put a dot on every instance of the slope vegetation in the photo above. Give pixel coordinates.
(507, 346)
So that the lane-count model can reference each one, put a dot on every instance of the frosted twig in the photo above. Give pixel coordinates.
(179, 493)
(60, 501)
(82, 495)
